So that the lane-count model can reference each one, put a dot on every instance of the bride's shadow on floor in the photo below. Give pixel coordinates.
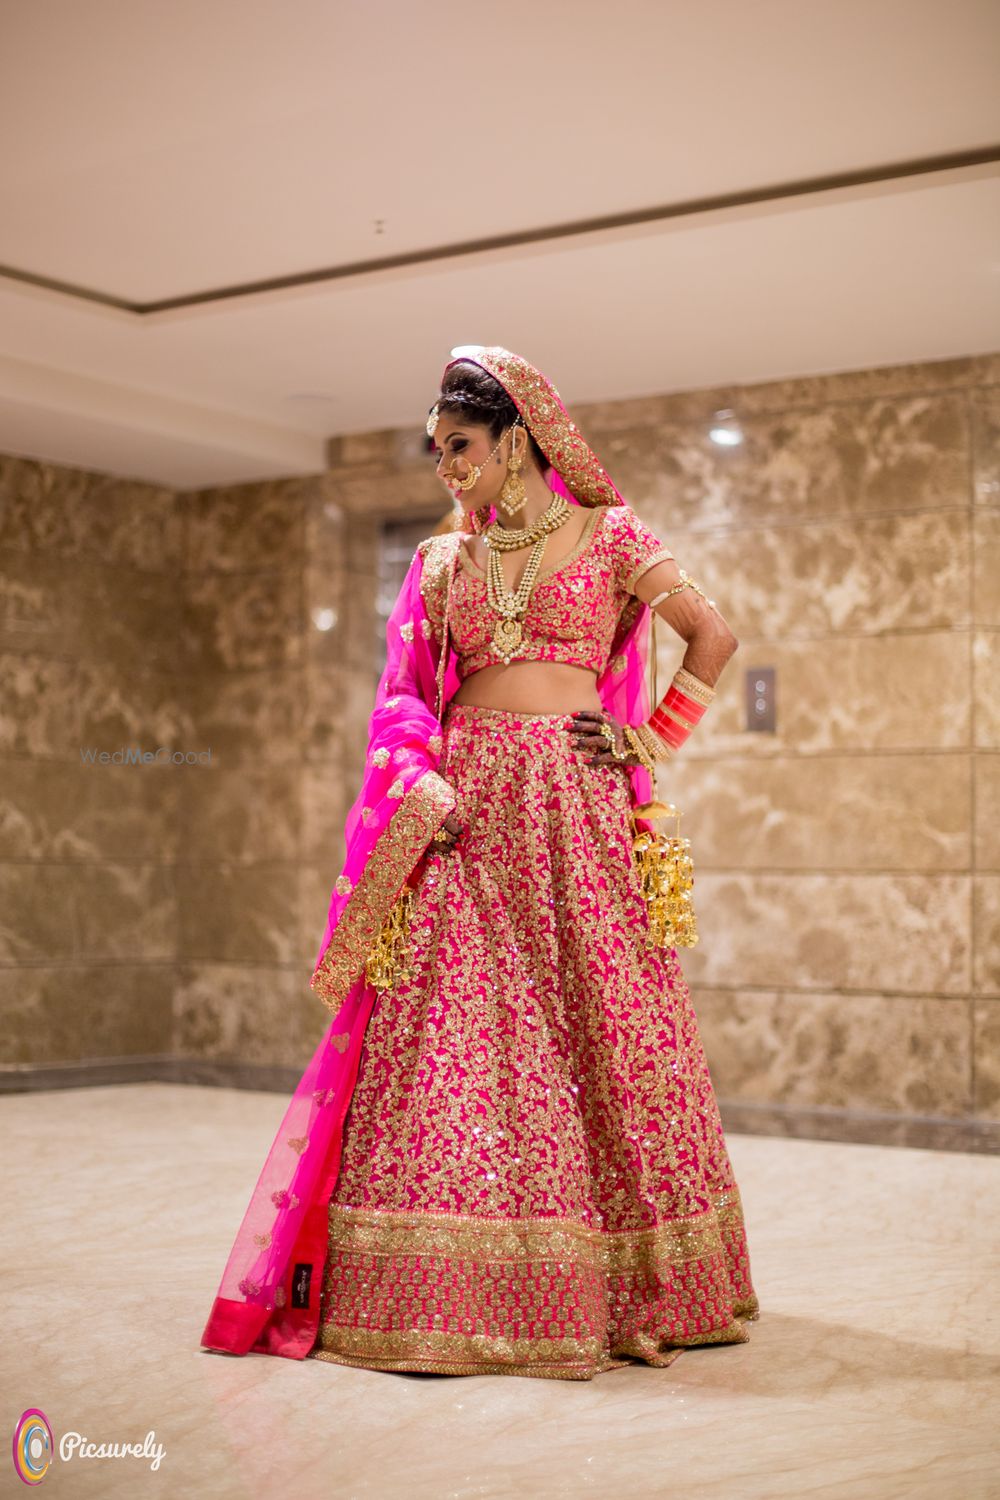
(815, 1358)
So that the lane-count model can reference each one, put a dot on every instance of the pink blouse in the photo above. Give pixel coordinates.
(575, 606)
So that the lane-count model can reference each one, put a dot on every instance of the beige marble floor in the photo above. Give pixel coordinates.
(872, 1373)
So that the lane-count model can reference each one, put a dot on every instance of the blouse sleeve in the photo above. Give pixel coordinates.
(635, 548)
(682, 602)
(436, 555)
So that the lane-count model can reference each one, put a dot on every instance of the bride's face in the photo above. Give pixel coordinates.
(464, 445)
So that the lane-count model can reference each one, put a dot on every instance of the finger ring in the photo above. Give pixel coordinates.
(609, 735)
(441, 837)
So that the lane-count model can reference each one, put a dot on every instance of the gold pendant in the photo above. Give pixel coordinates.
(507, 636)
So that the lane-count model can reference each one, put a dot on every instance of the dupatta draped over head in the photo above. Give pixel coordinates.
(268, 1301)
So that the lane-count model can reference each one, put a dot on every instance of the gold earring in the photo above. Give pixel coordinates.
(513, 494)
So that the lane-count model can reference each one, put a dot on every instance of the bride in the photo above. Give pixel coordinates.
(506, 1155)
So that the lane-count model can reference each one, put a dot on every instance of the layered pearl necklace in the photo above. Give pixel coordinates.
(511, 607)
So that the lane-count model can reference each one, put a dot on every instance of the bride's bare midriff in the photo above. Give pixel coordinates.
(533, 687)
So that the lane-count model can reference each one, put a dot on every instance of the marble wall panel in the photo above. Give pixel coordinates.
(316, 892)
(891, 934)
(860, 812)
(54, 811)
(40, 713)
(987, 812)
(246, 528)
(908, 1054)
(986, 688)
(78, 1012)
(866, 576)
(66, 709)
(899, 692)
(847, 879)
(986, 925)
(245, 814)
(986, 574)
(76, 514)
(985, 423)
(242, 620)
(844, 459)
(257, 717)
(37, 913)
(246, 1013)
(238, 913)
(986, 1063)
(124, 911)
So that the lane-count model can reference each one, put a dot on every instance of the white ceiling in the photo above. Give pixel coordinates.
(158, 151)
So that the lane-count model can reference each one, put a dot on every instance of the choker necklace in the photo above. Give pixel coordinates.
(511, 607)
(510, 538)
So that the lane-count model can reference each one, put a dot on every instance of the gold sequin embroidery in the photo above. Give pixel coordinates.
(580, 608)
(437, 553)
(534, 1178)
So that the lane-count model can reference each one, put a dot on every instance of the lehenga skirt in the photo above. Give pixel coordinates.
(534, 1178)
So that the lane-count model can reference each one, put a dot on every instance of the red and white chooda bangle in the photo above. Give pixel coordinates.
(680, 710)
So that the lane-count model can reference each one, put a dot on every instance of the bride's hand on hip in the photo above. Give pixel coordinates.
(586, 726)
(447, 834)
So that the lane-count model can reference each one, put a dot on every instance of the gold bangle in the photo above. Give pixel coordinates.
(639, 748)
(699, 691)
(657, 747)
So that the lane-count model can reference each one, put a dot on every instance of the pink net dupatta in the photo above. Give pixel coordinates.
(268, 1301)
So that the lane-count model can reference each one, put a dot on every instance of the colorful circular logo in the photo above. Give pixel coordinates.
(32, 1446)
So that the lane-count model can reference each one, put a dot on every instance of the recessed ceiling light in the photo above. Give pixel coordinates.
(725, 430)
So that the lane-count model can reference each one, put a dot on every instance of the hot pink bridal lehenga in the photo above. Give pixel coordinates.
(505, 1155)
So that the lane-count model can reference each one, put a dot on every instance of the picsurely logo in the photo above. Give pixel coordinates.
(73, 1445)
(34, 1448)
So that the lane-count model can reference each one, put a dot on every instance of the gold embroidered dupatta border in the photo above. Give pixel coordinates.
(397, 849)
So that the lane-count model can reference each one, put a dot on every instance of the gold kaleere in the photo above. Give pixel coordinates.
(663, 864)
(386, 961)
(666, 877)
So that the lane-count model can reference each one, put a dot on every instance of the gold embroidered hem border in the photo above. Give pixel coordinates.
(550, 1297)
